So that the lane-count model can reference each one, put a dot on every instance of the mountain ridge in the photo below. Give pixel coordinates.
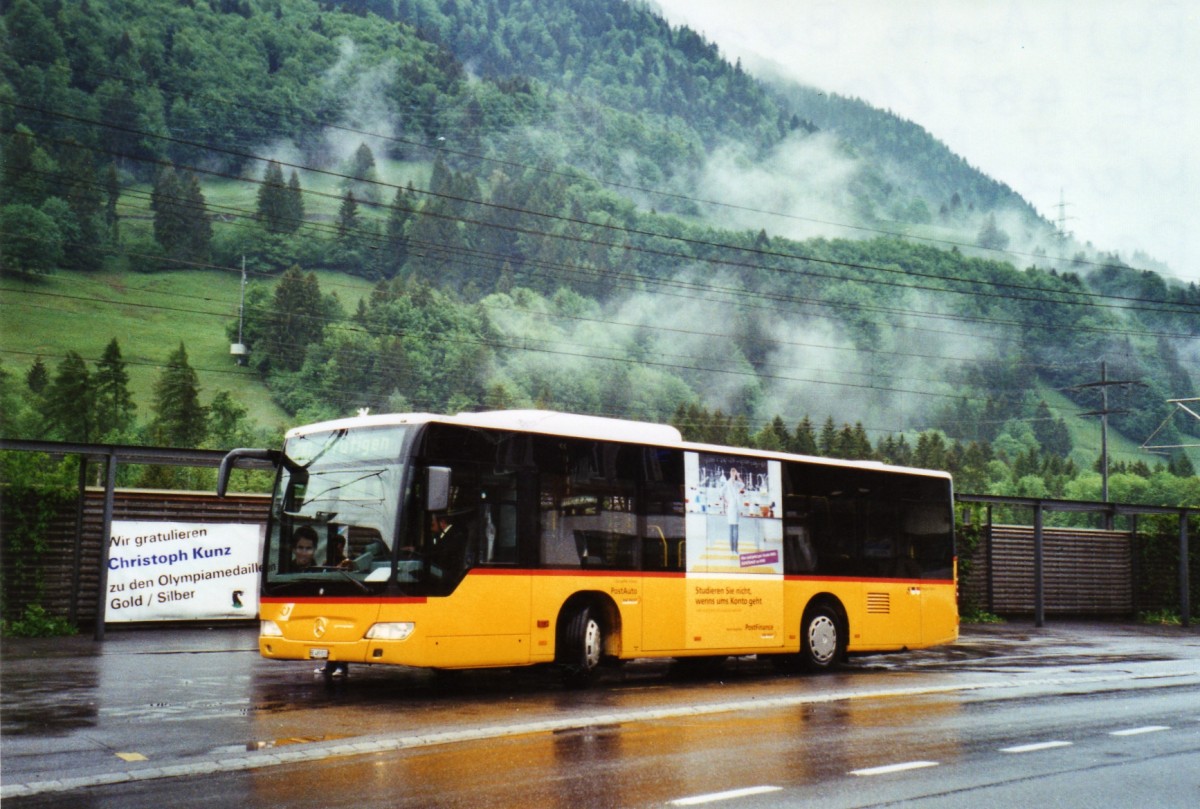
(586, 194)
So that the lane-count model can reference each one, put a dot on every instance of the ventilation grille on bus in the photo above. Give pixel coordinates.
(879, 603)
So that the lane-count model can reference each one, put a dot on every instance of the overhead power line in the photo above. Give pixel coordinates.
(1085, 297)
(445, 149)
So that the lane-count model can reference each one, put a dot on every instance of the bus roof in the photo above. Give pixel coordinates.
(550, 422)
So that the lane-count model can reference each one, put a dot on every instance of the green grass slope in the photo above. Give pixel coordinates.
(149, 315)
(1085, 435)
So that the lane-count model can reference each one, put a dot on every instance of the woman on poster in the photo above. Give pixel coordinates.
(732, 495)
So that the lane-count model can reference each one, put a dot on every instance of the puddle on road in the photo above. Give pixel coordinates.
(290, 740)
(48, 702)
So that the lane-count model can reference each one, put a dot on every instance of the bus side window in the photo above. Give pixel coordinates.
(599, 510)
(837, 544)
(662, 519)
(557, 539)
(927, 531)
(500, 533)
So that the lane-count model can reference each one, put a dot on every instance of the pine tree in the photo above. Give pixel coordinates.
(845, 442)
(182, 226)
(114, 404)
(931, 451)
(70, 400)
(169, 222)
(991, 236)
(805, 440)
(361, 176)
(179, 418)
(1181, 465)
(226, 421)
(347, 221)
(294, 204)
(1051, 432)
(272, 205)
(829, 438)
(37, 378)
(24, 169)
(362, 165)
(774, 436)
(397, 231)
(79, 185)
(198, 233)
(296, 319)
(860, 444)
(12, 404)
(739, 432)
(31, 241)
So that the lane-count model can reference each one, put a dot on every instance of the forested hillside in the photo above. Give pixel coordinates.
(565, 204)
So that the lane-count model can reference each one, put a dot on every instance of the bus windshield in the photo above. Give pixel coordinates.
(335, 510)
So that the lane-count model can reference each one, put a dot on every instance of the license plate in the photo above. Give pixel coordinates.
(318, 654)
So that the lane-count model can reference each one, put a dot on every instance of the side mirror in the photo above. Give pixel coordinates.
(437, 492)
(250, 458)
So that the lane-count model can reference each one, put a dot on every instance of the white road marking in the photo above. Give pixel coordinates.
(1139, 731)
(890, 768)
(275, 757)
(1032, 748)
(712, 797)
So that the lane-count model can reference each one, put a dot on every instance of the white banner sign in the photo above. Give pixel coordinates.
(169, 571)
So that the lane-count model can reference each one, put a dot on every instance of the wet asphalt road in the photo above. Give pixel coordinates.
(150, 714)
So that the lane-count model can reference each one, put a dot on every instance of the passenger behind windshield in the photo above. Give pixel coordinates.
(304, 548)
(335, 556)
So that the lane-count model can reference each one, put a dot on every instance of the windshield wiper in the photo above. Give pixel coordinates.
(320, 495)
(322, 569)
(346, 574)
(333, 438)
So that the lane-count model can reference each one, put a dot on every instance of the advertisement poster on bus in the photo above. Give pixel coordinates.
(734, 519)
(734, 525)
(168, 571)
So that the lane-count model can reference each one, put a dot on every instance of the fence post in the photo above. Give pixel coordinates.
(110, 487)
(991, 565)
(1039, 587)
(1185, 595)
(77, 549)
(1135, 567)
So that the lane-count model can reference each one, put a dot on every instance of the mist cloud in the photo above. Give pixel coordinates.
(804, 183)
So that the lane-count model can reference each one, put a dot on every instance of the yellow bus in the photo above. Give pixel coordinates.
(515, 538)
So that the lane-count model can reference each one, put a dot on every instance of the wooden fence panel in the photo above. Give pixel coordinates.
(1085, 572)
(62, 595)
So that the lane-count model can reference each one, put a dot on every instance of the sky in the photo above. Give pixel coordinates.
(1092, 103)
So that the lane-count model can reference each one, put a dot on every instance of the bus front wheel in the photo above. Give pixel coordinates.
(823, 642)
(581, 647)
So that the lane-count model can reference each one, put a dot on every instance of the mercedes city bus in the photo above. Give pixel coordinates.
(515, 538)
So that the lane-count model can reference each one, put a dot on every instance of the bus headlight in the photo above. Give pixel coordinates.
(399, 630)
(270, 629)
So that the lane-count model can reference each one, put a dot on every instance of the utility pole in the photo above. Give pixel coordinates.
(1060, 226)
(238, 349)
(1104, 412)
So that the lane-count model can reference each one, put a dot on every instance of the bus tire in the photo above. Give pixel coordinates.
(822, 638)
(581, 646)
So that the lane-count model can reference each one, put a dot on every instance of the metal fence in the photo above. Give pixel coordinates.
(1015, 570)
(1038, 570)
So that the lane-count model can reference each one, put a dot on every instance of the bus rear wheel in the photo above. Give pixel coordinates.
(580, 647)
(823, 642)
